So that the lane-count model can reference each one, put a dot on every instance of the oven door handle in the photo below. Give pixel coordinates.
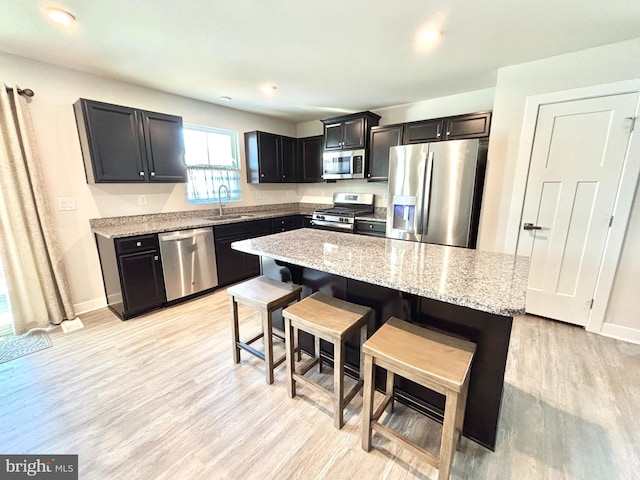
(336, 225)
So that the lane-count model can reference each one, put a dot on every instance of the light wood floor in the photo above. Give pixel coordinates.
(158, 397)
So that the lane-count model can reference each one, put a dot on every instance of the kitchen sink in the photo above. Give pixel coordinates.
(229, 216)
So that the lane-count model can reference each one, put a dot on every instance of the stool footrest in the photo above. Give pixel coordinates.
(406, 443)
(352, 393)
(308, 366)
(257, 337)
(378, 411)
(251, 350)
(313, 385)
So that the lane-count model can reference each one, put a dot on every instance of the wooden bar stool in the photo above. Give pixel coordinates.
(434, 360)
(265, 295)
(334, 321)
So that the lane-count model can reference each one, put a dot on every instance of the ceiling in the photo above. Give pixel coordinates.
(326, 57)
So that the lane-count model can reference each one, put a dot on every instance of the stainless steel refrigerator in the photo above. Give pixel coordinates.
(435, 190)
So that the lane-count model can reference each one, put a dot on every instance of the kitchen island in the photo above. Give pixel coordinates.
(464, 292)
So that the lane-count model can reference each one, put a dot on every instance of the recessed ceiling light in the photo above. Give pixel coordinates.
(429, 36)
(224, 98)
(269, 89)
(60, 16)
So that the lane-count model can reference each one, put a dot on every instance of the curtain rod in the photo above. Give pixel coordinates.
(27, 92)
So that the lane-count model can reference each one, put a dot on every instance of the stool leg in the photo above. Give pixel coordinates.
(290, 351)
(316, 347)
(447, 444)
(234, 329)
(296, 336)
(364, 334)
(389, 388)
(268, 345)
(338, 384)
(462, 403)
(367, 406)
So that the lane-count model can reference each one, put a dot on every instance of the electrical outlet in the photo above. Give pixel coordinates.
(67, 203)
(385, 196)
(261, 195)
(142, 199)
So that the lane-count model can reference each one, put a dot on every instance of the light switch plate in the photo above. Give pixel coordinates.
(142, 199)
(67, 203)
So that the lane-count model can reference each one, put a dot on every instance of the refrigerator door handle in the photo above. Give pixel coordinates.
(423, 227)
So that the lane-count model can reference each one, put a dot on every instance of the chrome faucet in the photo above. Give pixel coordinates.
(220, 196)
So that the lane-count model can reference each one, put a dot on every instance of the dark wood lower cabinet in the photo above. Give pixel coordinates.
(234, 266)
(132, 274)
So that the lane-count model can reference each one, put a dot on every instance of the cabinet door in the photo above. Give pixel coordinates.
(142, 281)
(288, 159)
(381, 140)
(333, 136)
(468, 126)
(310, 159)
(422, 132)
(353, 133)
(164, 143)
(111, 142)
(268, 164)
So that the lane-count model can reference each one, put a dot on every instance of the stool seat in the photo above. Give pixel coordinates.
(434, 360)
(334, 321)
(265, 295)
(433, 356)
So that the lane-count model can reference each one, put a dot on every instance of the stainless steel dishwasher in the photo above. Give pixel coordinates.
(188, 262)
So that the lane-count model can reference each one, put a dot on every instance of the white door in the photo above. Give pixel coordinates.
(579, 149)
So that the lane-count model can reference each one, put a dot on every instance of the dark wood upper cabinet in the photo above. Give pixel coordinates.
(123, 144)
(310, 159)
(164, 142)
(381, 140)
(475, 125)
(288, 147)
(270, 158)
(423, 131)
(349, 132)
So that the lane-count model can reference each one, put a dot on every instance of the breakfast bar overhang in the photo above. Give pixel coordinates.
(468, 293)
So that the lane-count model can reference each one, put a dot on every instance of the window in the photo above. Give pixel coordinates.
(213, 159)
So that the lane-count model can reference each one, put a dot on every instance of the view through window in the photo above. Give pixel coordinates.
(213, 159)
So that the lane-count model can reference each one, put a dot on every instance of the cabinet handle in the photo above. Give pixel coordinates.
(437, 134)
(138, 244)
(156, 258)
(448, 133)
(153, 174)
(370, 225)
(142, 174)
(262, 175)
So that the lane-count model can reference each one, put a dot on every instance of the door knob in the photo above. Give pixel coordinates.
(531, 226)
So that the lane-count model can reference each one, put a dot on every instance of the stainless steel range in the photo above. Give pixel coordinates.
(342, 216)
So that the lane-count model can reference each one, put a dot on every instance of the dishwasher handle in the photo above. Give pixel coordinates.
(184, 234)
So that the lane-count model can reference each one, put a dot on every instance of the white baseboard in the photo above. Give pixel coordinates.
(621, 333)
(84, 307)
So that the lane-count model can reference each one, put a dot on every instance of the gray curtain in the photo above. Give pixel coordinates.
(32, 260)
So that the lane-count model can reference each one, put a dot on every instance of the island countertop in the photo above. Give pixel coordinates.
(485, 281)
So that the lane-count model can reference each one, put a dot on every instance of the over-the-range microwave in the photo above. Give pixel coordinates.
(344, 164)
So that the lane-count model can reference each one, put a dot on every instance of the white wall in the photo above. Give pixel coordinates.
(506, 179)
(57, 138)
(468, 102)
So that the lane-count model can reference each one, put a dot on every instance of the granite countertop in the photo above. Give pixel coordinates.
(127, 226)
(485, 281)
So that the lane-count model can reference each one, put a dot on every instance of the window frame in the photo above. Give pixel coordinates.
(234, 170)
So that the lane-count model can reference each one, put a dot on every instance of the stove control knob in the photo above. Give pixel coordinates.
(320, 217)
